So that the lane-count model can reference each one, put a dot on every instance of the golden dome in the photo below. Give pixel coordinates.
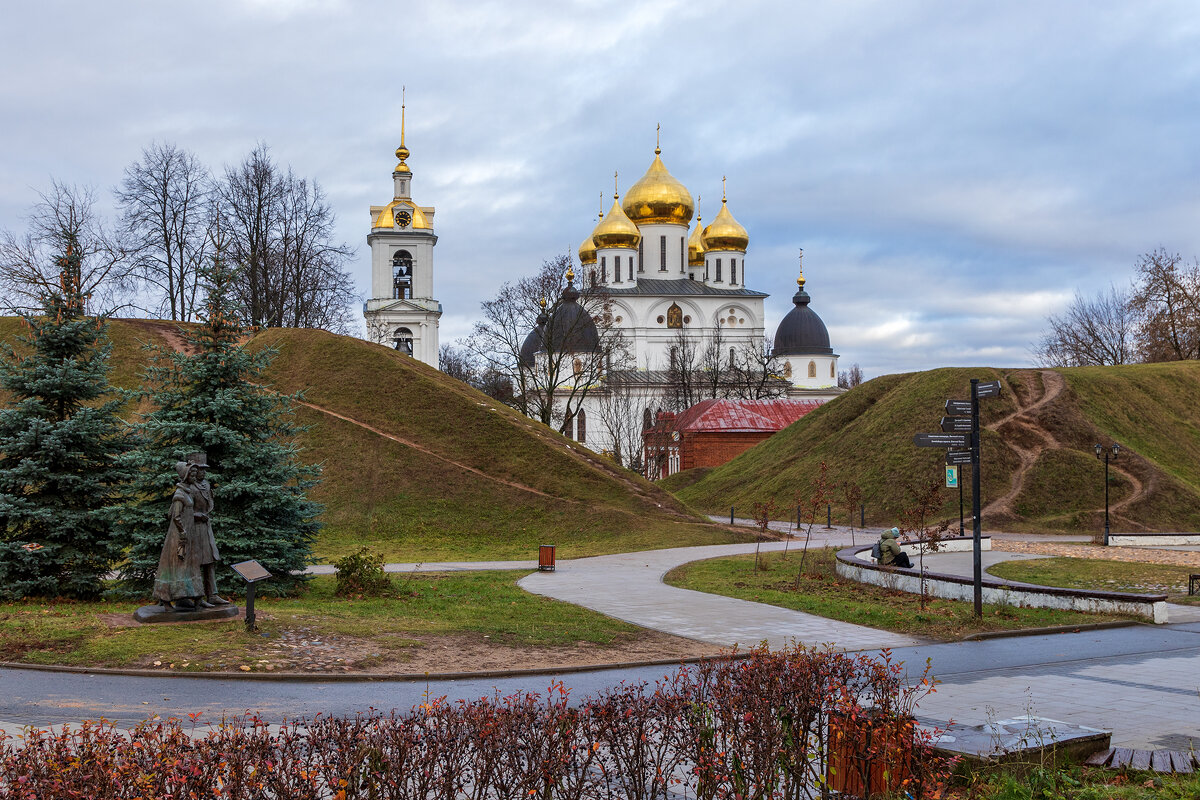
(695, 246)
(587, 251)
(387, 217)
(616, 230)
(658, 198)
(725, 233)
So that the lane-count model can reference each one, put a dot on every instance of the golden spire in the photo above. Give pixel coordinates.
(800, 280)
(722, 188)
(658, 139)
(402, 151)
(542, 302)
(570, 274)
(616, 193)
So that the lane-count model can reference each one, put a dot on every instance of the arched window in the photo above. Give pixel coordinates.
(812, 369)
(577, 367)
(403, 340)
(569, 429)
(731, 358)
(733, 270)
(787, 369)
(581, 427)
(674, 356)
(832, 370)
(402, 267)
(646, 419)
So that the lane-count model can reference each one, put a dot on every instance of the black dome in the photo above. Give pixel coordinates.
(532, 344)
(570, 328)
(801, 332)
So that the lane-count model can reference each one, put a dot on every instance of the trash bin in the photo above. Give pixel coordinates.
(546, 558)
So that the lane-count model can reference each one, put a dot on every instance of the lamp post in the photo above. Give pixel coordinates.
(1108, 454)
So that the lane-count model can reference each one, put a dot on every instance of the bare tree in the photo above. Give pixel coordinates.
(164, 206)
(65, 216)
(755, 371)
(291, 273)
(1167, 296)
(531, 334)
(621, 414)
(1092, 331)
(849, 378)
(686, 382)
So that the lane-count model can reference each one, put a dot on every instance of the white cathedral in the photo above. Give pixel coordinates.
(662, 276)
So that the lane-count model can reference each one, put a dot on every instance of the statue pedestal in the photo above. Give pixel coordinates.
(157, 613)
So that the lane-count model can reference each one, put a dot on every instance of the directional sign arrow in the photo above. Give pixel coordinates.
(958, 406)
(989, 389)
(958, 457)
(941, 440)
(956, 424)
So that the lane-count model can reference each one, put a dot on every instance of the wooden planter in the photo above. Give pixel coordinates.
(869, 756)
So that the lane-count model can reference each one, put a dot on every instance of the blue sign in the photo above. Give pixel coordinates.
(952, 477)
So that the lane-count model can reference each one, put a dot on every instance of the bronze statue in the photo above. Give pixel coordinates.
(209, 555)
(180, 580)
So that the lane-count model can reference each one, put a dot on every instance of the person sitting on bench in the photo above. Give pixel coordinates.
(890, 554)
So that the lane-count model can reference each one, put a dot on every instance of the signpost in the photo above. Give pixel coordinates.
(961, 439)
(252, 572)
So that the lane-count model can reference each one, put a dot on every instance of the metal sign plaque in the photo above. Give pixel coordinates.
(951, 477)
(251, 571)
(989, 389)
(956, 407)
(958, 457)
(941, 440)
(957, 424)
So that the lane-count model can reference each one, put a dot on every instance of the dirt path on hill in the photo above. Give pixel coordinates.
(1021, 426)
(428, 452)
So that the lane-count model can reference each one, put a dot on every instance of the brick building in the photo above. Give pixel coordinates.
(715, 431)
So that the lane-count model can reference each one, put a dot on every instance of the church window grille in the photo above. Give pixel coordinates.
(718, 269)
(631, 268)
(603, 270)
(662, 254)
(832, 370)
(812, 369)
(617, 267)
(641, 255)
(581, 427)
(402, 269)
(733, 270)
(646, 420)
(682, 254)
(731, 358)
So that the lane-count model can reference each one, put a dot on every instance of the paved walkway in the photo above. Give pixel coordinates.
(629, 587)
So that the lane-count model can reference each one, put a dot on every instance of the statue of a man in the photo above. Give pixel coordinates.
(207, 545)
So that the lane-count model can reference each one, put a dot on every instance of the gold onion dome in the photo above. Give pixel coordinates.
(616, 230)
(387, 216)
(725, 232)
(657, 198)
(587, 250)
(695, 246)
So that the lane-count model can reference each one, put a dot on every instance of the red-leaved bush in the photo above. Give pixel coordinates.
(796, 723)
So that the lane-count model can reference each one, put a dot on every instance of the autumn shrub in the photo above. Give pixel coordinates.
(791, 724)
(361, 574)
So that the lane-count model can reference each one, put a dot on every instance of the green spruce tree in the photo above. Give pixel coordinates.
(61, 442)
(213, 398)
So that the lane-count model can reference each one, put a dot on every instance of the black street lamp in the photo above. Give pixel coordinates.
(1108, 454)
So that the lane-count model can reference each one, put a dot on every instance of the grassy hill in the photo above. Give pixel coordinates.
(1039, 469)
(426, 468)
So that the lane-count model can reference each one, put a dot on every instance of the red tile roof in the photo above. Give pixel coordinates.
(742, 415)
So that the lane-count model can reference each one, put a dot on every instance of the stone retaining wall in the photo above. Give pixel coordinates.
(1153, 539)
(855, 564)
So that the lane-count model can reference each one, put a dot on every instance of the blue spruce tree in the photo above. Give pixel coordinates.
(61, 442)
(212, 397)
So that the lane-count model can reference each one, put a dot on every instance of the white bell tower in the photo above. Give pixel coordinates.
(402, 312)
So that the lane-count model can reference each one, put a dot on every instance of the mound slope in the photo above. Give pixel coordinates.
(1039, 469)
(425, 468)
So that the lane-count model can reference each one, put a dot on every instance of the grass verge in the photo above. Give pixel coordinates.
(1099, 574)
(823, 592)
(316, 628)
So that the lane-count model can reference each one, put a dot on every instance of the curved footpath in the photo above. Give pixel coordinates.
(1141, 681)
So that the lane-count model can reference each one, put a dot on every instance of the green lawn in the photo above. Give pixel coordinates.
(483, 604)
(823, 592)
(1099, 574)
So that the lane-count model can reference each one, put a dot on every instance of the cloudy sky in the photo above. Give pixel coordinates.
(954, 171)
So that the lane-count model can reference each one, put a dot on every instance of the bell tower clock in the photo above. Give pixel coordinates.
(402, 312)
